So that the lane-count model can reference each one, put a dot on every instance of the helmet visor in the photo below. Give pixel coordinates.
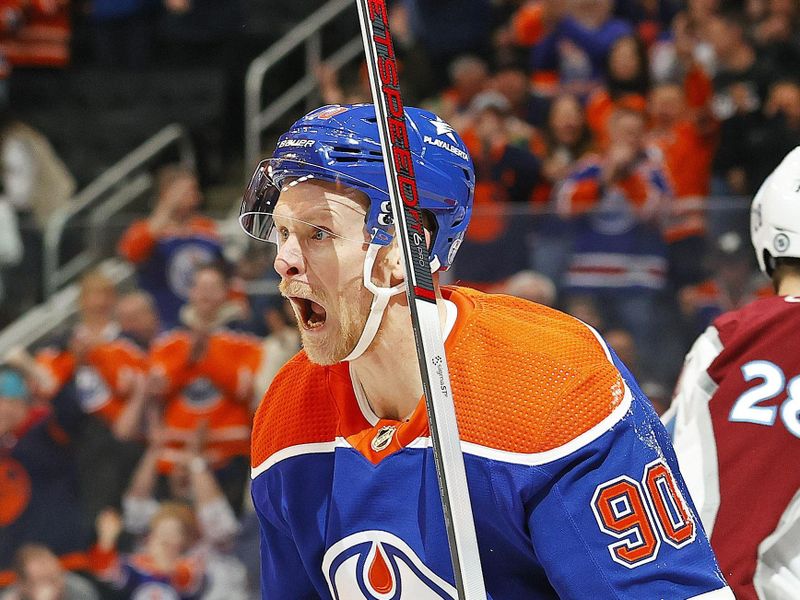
(275, 177)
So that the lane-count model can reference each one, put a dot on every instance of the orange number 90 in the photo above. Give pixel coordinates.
(640, 515)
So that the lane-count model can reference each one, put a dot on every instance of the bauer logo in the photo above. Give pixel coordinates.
(296, 143)
(376, 565)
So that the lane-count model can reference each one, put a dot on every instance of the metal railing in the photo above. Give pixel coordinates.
(309, 33)
(53, 314)
(111, 192)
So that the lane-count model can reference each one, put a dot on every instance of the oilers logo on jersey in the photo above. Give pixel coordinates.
(376, 565)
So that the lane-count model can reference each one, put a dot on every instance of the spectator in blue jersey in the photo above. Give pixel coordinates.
(169, 245)
(39, 490)
(578, 43)
(193, 484)
(614, 201)
(162, 567)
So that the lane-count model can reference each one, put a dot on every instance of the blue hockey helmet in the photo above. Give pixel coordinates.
(340, 143)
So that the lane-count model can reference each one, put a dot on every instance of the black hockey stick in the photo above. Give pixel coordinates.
(397, 160)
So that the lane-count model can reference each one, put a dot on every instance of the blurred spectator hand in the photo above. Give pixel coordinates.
(132, 383)
(557, 167)
(775, 28)
(82, 341)
(178, 6)
(51, 7)
(197, 442)
(156, 383)
(784, 98)
(737, 181)
(619, 160)
(109, 526)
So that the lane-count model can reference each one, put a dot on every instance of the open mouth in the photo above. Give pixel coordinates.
(310, 314)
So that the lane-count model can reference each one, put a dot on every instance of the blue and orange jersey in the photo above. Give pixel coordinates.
(101, 379)
(138, 576)
(574, 487)
(215, 387)
(166, 262)
(688, 152)
(617, 226)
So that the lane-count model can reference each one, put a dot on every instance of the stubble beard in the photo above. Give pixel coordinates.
(346, 317)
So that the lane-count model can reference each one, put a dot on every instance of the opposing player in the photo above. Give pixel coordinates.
(574, 486)
(736, 412)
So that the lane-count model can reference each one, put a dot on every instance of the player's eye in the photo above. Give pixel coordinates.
(283, 234)
(320, 235)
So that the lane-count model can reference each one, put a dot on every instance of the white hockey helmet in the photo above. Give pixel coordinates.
(775, 214)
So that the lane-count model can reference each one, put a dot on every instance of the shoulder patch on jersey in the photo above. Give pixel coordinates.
(297, 409)
(528, 379)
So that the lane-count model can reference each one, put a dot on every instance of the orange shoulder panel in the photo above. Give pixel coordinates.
(297, 409)
(527, 378)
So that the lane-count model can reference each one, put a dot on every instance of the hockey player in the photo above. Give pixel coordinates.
(574, 486)
(736, 411)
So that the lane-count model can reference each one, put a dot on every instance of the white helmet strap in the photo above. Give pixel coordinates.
(380, 300)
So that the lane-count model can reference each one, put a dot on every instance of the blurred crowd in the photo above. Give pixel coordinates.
(125, 440)
(616, 145)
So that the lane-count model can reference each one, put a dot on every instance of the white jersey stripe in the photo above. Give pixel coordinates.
(533, 459)
(721, 594)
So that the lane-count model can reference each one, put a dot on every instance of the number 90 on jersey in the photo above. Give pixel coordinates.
(642, 514)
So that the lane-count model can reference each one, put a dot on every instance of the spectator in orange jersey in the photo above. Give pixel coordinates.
(169, 245)
(192, 371)
(627, 83)
(505, 176)
(103, 362)
(35, 33)
(688, 141)
(108, 370)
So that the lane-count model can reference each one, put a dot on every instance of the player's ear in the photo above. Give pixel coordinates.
(391, 264)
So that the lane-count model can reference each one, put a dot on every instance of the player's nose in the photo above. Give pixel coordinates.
(289, 261)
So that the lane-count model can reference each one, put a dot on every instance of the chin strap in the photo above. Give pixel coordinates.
(380, 299)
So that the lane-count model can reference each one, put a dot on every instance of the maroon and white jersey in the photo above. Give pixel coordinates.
(736, 430)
